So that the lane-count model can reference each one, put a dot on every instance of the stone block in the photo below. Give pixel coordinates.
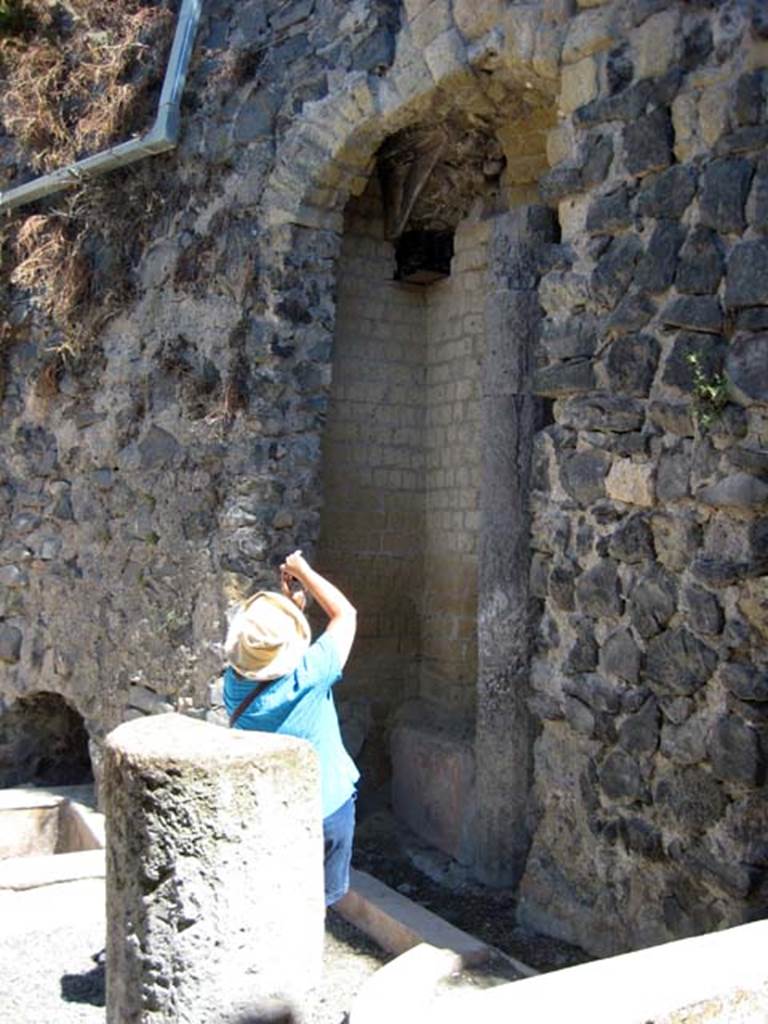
(609, 213)
(476, 17)
(446, 55)
(757, 203)
(10, 643)
(667, 195)
(654, 44)
(433, 786)
(747, 367)
(678, 663)
(735, 753)
(598, 590)
(746, 281)
(631, 482)
(588, 33)
(694, 313)
(739, 490)
(578, 84)
(701, 263)
(576, 376)
(648, 143)
(656, 270)
(432, 21)
(723, 192)
(583, 476)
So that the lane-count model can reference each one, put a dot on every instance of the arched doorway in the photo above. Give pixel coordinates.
(43, 742)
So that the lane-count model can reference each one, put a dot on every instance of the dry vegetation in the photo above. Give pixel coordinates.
(75, 77)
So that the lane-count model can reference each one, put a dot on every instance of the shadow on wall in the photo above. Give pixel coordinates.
(43, 741)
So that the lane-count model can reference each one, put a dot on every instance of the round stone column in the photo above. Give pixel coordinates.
(214, 870)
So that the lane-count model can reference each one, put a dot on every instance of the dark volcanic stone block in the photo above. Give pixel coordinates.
(561, 586)
(656, 270)
(602, 412)
(614, 270)
(752, 318)
(609, 213)
(648, 143)
(575, 337)
(632, 313)
(749, 99)
(695, 313)
(676, 662)
(583, 476)
(751, 139)
(631, 363)
(621, 778)
(582, 657)
(709, 351)
(746, 282)
(739, 490)
(757, 204)
(695, 799)
(620, 656)
(632, 541)
(652, 602)
(627, 105)
(672, 475)
(723, 194)
(697, 46)
(560, 182)
(667, 195)
(703, 611)
(701, 263)
(747, 682)
(10, 643)
(596, 160)
(673, 417)
(598, 590)
(596, 692)
(639, 733)
(574, 377)
(747, 366)
(735, 752)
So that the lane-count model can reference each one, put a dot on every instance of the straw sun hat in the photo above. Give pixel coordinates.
(267, 637)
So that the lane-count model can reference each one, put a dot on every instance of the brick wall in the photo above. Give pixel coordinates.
(400, 458)
(373, 460)
(455, 332)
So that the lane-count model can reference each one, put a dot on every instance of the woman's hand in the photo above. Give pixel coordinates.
(295, 566)
(287, 575)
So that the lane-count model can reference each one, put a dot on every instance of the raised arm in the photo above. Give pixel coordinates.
(341, 613)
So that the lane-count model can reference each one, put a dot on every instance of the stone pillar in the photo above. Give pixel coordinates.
(214, 870)
(504, 732)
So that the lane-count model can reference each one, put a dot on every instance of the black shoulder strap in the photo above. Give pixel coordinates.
(246, 702)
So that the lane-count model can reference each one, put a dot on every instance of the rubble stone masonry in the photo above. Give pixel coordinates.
(590, 383)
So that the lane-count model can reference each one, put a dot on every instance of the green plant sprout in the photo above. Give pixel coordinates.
(710, 393)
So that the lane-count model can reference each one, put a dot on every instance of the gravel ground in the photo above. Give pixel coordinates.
(48, 937)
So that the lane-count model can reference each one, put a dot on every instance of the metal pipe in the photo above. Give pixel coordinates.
(162, 136)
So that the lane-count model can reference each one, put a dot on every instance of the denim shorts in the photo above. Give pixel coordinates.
(338, 832)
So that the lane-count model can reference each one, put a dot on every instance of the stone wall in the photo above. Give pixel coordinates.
(649, 525)
(181, 457)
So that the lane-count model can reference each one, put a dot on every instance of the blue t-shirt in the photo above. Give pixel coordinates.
(301, 704)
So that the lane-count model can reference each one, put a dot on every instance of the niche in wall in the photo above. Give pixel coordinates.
(43, 742)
